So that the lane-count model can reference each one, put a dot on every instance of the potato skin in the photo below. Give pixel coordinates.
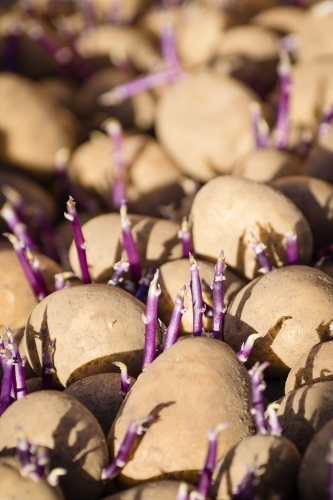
(292, 305)
(72, 435)
(183, 387)
(227, 208)
(93, 325)
(159, 490)
(277, 459)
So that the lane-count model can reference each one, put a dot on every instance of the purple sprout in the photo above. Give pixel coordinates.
(115, 132)
(325, 124)
(149, 318)
(184, 235)
(197, 300)
(182, 493)
(35, 266)
(172, 331)
(247, 346)
(61, 280)
(258, 386)
(7, 380)
(120, 268)
(129, 245)
(15, 224)
(168, 46)
(260, 127)
(79, 241)
(124, 378)
(20, 386)
(135, 428)
(291, 246)
(48, 367)
(218, 296)
(274, 426)
(144, 283)
(246, 490)
(262, 258)
(285, 87)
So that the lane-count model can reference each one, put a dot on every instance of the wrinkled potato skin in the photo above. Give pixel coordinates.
(93, 325)
(13, 486)
(292, 305)
(314, 475)
(277, 455)
(183, 386)
(314, 366)
(156, 239)
(160, 490)
(17, 300)
(227, 208)
(175, 274)
(72, 435)
(305, 411)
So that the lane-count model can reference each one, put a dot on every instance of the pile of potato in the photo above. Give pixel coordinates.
(200, 142)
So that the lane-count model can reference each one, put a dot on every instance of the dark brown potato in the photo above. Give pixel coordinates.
(292, 305)
(159, 490)
(157, 242)
(101, 395)
(72, 435)
(319, 163)
(314, 198)
(276, 458)
(183, 388)
(315, 365)
(228, 208)
(93, 325)
(305, 411)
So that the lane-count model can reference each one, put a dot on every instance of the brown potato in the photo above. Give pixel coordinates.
(183, 388)
(14, 486)
(292, 305)
(283, 19)
(319, 162)
(265, 165)
(17, 298)
(157, 242)
(314, 198)
(227, 208)
(204, 123)
(314, 479)
(34, 384)
(276, 458)
(159, 490)
(72, 435)
(314, 366)
(305, 411)
(175, 274)
(101, 395)
(93, 325)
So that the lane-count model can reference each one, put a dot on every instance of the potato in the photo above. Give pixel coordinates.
(203, 121)
(61, 89)
(314, 479)
(314, 198)
(292, 305)
(93, 325)
(314, 33)
(129, 10)
(14, 486)
(161, 490)
(305, 411)
(284, 19)
(72, 435)
(227, 208)
(314, 366)
(17, 298)
(320, 158)
(34, 384)
(175, 274)
(32, 127)
(101, 395)
(265, 165)
(276, 458)
(183, 387)
(157, 242)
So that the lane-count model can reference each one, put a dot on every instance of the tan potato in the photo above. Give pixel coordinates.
(320, 159)
(183, 387)
(101, 395)
(276, 458)
(14, 486)
(305, 411)
(93, 325)
(313, 366)
(314, 198)
(72, 435)
(32, 127)
(265, 165)
(204, 123)
(161, 490)
(61, 89)
(17, 298)
(156, 239)
(175, 274)
(228, 208)
(292, 305)
(314, 479)
(282, 19)
(314, 33)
